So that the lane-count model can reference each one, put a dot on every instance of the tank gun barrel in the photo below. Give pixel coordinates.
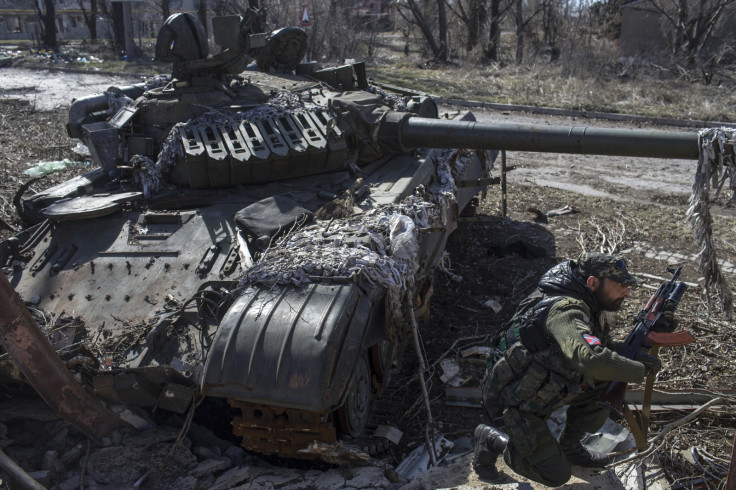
(417, 132)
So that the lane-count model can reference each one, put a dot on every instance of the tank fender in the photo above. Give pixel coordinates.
(294, 347)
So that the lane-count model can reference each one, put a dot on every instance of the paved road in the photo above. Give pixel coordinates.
(47, 90)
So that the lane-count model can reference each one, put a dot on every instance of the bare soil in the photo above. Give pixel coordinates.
(635, 207)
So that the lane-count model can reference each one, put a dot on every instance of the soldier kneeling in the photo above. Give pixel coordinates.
(557, 350)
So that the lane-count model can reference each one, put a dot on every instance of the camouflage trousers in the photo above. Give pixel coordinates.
(532, 450)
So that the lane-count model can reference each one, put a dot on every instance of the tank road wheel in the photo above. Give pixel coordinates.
(353, 415)
(382, 357)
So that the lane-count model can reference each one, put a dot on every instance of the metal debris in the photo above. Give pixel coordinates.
(391, 433)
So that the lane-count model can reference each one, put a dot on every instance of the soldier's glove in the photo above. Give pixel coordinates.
(666, 322)
(651, 364)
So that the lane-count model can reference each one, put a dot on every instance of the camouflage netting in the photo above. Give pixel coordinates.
(715, 165)
(376, 248)
(385, 259)
(395, 102)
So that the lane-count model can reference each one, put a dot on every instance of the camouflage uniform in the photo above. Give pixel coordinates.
(556, 351)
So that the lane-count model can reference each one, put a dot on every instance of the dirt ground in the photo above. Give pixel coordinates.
(635, 207)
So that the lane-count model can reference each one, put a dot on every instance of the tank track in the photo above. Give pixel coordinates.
(287, 433)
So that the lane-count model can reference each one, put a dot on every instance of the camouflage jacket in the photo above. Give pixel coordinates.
(556, 345)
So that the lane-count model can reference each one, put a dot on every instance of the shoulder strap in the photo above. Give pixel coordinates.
(529, 326)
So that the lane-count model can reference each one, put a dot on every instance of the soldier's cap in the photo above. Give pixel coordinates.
(604, 265)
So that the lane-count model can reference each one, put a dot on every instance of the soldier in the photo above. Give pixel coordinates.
(557, 350)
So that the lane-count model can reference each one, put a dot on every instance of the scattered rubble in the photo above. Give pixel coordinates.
(152, 459)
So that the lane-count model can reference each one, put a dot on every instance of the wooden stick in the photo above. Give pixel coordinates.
(652, 445)
(422, 367)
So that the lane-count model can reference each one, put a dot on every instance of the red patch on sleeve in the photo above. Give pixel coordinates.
(592, 340)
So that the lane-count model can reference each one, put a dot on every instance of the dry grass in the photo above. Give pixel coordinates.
(594, 81)
(28, 137)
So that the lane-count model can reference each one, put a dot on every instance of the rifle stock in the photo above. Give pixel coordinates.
(666, 298)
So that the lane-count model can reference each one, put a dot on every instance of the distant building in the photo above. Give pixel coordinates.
(376, 14)
(19, 19)
(646, 33)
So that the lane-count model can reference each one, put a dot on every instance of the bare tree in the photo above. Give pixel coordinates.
(607, 15)
(202, 16)
(473, 13)
(442, 21)
(499, 9)
(423, 16)
(165, 10)
(551, 20)
(90, 17)
(693, 23)
(47, 17)
(112, 12)
(522, 22)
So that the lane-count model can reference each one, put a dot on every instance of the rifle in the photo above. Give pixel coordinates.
(665, 299)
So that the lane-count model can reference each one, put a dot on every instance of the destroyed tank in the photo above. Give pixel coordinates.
(261, 230)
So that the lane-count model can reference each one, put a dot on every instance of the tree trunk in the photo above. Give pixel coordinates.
(549, 22)
(256, 26)
(165, 10)
(519, 32)
(333, 49)
(90, 18)
(442, 21)
(494, 33)
(49, 25)
(117, 27)
(682, 15)
(424, 26)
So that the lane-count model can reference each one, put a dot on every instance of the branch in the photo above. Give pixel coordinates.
(539, 9)
(651, 448)
(422, 366)
(461, 14)
(666, 15)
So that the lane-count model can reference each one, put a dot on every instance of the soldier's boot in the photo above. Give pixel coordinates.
(488, 443)
(578, 454)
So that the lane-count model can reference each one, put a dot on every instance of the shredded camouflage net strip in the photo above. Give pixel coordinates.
(395, 102)
(116, 100)
(715, 165)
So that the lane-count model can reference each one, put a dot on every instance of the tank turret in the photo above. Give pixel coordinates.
(256, 228)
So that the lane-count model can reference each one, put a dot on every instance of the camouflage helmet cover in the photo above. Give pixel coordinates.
(605, 265)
